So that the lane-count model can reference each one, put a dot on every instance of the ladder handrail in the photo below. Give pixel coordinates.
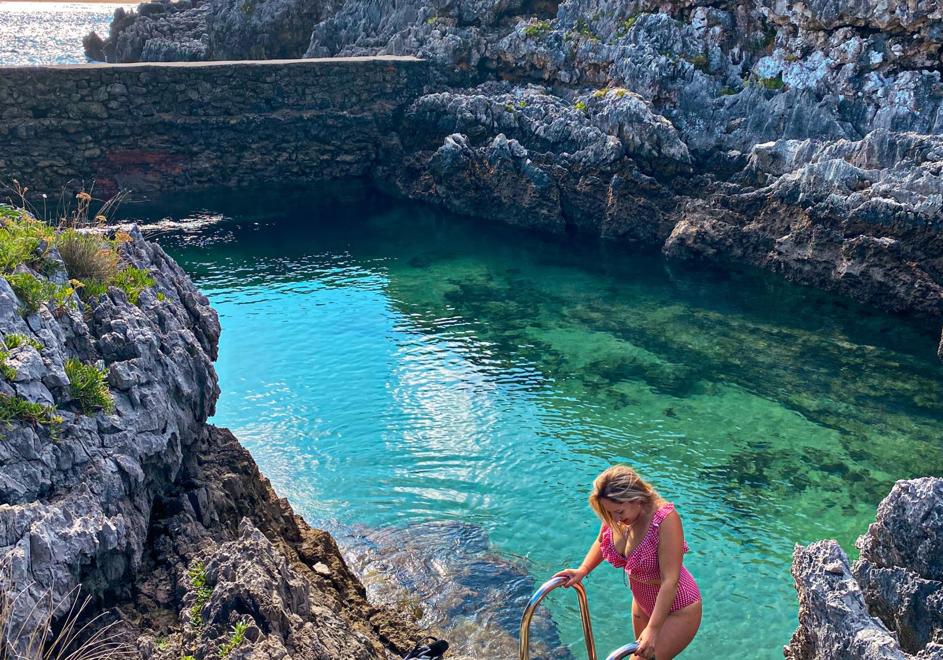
(623, 651)
(538, 596)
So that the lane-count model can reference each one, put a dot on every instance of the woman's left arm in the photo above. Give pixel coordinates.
(670, 550)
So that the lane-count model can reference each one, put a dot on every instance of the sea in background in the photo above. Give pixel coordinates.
(50, 32)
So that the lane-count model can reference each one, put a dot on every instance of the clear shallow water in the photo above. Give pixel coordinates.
(50, 32)
(389, 365)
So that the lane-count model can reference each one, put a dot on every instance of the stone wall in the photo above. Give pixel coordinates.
(173, 126)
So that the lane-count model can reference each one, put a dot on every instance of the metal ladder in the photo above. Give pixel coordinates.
(548, 586)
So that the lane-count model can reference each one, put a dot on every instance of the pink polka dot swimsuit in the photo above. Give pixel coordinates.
(642, 566)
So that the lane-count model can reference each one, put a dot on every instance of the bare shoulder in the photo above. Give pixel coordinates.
(671, 524)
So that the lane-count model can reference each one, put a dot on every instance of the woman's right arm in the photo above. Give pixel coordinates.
(590, 561)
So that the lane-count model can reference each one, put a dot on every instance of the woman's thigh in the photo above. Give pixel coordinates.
(639, 619)
(677, 631)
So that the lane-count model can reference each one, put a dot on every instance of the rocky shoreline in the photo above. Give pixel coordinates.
(803, 138)
(889, 604)
(163, 520)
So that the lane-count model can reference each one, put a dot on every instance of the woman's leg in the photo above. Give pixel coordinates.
(639, 621)
(677, 631)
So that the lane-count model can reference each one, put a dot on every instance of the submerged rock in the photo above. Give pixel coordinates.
(449, 574)
(890, 604)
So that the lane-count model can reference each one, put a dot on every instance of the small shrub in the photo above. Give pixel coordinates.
(238, 635)
(20, 238)
(522, 104)
(161, 297)
(132, 281)
(774, 84)
(727, 91)
(88, 386)
(16, 340)
(600, 93)
(432, 20)
(15, 407)
(537, 29)
(699, 62)
(31, 291)
(197, 576)
(580, 105)
(87, 256)
(626, 25)
(6, 370)
(582, 28)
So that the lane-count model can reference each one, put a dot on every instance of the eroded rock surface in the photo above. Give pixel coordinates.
(889, 605)
(128, 505)
(804, 138)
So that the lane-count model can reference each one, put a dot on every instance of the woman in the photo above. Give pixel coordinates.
(641, 534)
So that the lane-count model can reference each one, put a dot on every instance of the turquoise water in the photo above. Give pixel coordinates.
(388, 365)
(50, 32)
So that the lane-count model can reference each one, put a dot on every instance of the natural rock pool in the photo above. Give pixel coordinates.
(388, 365)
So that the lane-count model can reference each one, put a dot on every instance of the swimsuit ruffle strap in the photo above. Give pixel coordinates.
(661, 514)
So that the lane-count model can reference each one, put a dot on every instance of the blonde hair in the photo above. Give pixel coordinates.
(620, 483)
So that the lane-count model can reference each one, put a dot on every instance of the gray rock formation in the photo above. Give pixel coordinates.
(799, 137)
(890, 604)
(123, 504)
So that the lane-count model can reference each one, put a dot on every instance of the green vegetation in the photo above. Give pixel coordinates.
(238, 635)
(21, 237)
(580, 105)
(727, 91)
(699, 62)
(161, 297)
(522, 104)
(34, 292)
(432, 20)
(132, 281)
(93, 260)
(537, 29)
(87, 255)
(15, 407)
(619, 92)
(6, 370)
(88, 385)
(626, 25)
(583, 29)
(197, 576)
(774, 84)
(15, 340)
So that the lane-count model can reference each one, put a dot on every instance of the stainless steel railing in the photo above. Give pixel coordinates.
(538, 596)
(623, 651)
(548, 586)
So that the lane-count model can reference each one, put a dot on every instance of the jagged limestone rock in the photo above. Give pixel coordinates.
(890, 604)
